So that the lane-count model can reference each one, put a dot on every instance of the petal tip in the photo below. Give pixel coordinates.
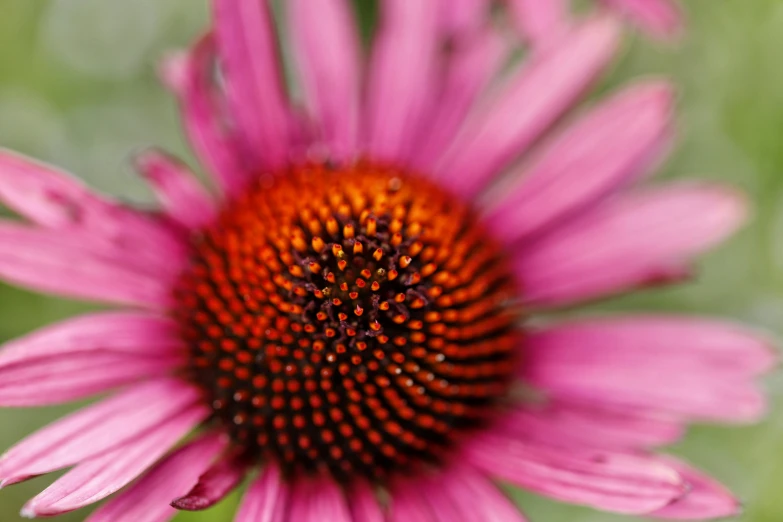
(659, 93)
(173, 70)
(190, 503)
(735, 204)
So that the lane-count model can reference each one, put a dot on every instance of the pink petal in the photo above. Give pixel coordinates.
(95, 429)
(148, 499)
(432, 493)
(254, 84)
(317, 500)
(541, 22)
(507, 125)
(125, 333)
(56, 200)
(78, 265)
(328, 54)
(401, 74)
(182, 197)
(707, 365)
(587, 425)
(660, 17)
(189, 76)
(214, 484)
(610, 146)
(636, 239)
(99, 477)
(606, 480)
(41, 382)
(706, 498)
(364, 504)
(267, 498)
(409, 505)
(471, 66)
(458, 17)
(472, 496)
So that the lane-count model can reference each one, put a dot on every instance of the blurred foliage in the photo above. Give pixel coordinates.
(78, 88)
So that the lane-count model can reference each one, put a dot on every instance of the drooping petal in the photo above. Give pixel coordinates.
(50, 197)
(401, 73)
(56, 200)
(42, 382)
(189, 76)
(409, 505)
(611, 146)
(327, 53)
(316, 500)
(267, 498)
(148, 499)
(102, 475)
(364, 505)
(509, 122)
(254, 84)
(125, 333)
(443, 508)
(214, 484)
(540, 22)
(660, 17)
(469, 493)
(636, 239)
(460, 18)
(587, 425)
(95, 429)
(708, 365)
(75, 264)
(471, 66)
(604, 479)
(182, 197)
(706, 498)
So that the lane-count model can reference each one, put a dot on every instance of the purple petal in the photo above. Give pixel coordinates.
(468, 492)
(214, 484)
(267, 498)
(328, 54)
(42, 382)
(76, 264)
(472, 65)
(148, 499)
(317, 499)
(182, 197)
(99, 477)
(540, 22)
(189, 75)
(95, 429)
(709, 365)
(122, 333)
(364, 504)
(56, 200)
(661, 18)
(604, 479)
(254, 84)
(706, 498)
(504, 127)
(576, 424)
(401, 73)
(636, 239)
(608, 148)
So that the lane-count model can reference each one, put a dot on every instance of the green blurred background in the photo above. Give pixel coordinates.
(78, 89)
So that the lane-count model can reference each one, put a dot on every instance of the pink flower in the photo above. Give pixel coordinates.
(538, 20)
(344, 320)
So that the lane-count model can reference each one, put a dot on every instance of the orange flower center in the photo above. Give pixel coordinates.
(353, 320)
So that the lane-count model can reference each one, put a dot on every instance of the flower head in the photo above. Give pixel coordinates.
(346, 322)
